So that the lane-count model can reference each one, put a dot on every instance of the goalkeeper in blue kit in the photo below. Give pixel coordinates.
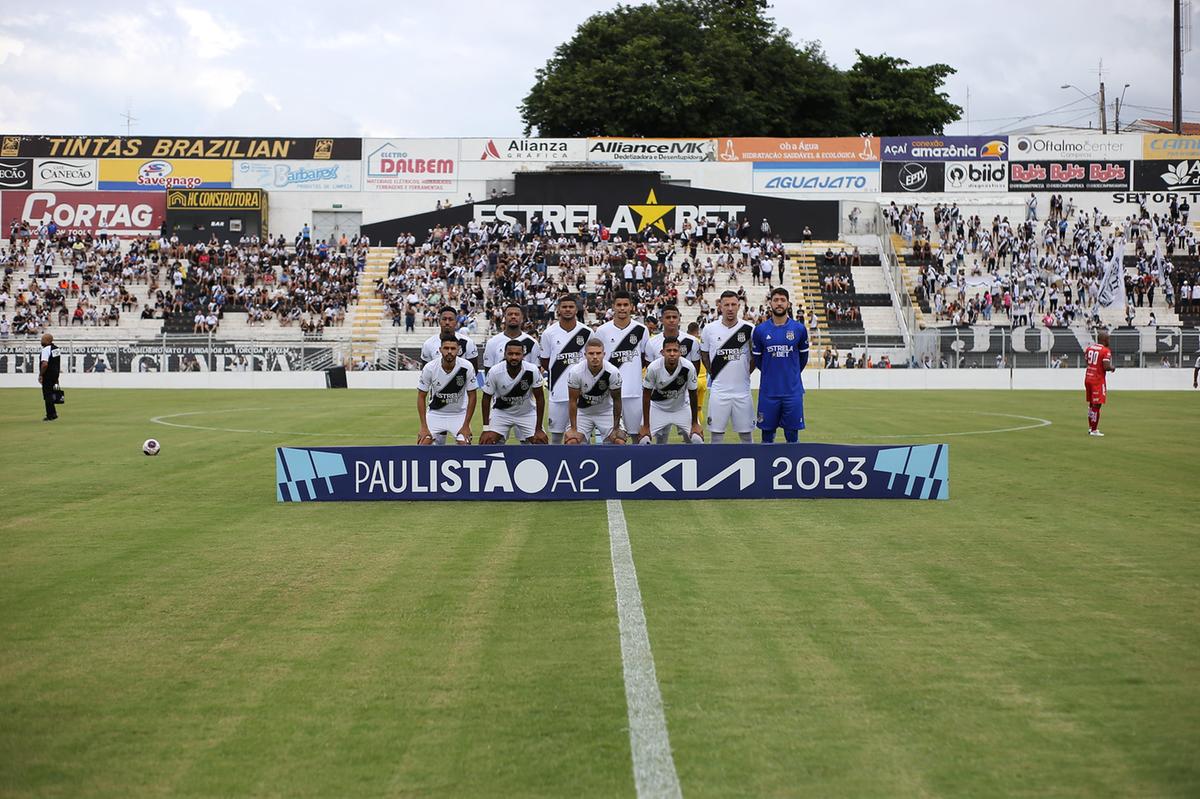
(779, 348)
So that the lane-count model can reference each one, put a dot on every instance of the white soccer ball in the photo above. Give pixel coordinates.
(151, 446)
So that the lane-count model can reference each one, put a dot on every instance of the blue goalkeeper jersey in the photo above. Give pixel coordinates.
(781, 353)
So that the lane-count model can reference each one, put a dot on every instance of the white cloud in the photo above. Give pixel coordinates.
(207, 37)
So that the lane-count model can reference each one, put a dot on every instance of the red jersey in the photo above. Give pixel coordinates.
(1095, 355)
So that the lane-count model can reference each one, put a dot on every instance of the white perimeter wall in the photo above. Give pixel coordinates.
(1030, 379)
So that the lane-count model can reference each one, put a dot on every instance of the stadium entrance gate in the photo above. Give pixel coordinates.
(332, 224)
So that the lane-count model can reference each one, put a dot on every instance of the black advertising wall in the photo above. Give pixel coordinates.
(1173, 175)
(16, 173)
(243, 147)
(627, 203)
(196, 215)
(913, 176)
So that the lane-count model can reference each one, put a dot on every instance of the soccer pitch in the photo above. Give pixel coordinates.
(168, 629)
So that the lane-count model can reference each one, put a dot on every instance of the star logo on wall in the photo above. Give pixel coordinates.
(651, 213)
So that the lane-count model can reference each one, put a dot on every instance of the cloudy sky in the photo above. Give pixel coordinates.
(461, 68)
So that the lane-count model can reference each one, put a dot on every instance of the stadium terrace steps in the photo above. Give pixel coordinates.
(806, 288)
(369, 312)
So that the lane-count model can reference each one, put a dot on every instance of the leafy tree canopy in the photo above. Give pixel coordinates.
(723, 68)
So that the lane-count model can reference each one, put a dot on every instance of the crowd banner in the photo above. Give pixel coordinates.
(524, 150)
(824, 177)
(1166, 146)
(1075, 147)
(64, 173)
(913, 176)
(157, 174)
(1176, 175)
(977, 176)
(16, 173)
(1068, 175)
(411, 165)
(671, 471)
(765, 148)
(122, 213)
(298, 175)
(945, 148)
(226, 148)
(650, 150)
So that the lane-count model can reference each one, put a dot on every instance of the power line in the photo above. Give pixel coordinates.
(1031, 116)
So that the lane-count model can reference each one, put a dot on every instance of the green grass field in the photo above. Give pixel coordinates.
(168, 629)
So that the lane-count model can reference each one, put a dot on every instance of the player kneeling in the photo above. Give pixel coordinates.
(594, 398)
(446, 396)
(507, 391)
(669, 398)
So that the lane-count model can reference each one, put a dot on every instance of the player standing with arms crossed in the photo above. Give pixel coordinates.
(1099, 363)
(509, 387)
(725, 351)
(562, 347)
(594, 398)
(669, 398)
(781, 353)
(446, 396)
(625, 347)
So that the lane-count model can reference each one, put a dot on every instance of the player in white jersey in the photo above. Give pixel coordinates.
(625, 347)
(725, 351)
(513, 400)
(446, 396)
(689, 345)
(448, 323)
(562, 347)
(594, 403)
(514, 320)
(669, 398)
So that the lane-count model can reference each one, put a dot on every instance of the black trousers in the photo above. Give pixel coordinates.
(48, 398)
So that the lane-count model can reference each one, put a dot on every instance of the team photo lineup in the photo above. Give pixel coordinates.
(618, 383)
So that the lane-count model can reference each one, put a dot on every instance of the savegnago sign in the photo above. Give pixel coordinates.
(739, 471)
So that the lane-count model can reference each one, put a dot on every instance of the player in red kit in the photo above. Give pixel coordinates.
(1099, 363)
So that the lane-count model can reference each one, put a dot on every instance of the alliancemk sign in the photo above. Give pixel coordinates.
(677, 471)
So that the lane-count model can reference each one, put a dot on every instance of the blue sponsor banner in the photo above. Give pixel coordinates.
(944, 148)
(672, 471)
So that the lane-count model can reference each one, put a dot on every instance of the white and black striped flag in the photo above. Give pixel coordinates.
(1112, 287)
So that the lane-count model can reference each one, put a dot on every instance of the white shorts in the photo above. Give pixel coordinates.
(590, 423)
(631, 414)
(723, 408)
(502, 421)
(662, 421)
(559, 417)
(445, 426)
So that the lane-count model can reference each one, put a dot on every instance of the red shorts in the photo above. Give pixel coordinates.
(1096, 393)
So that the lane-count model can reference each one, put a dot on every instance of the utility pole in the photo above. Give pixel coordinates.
(1103, 110)
(968, 110)
(1177, 72)
(129, 119)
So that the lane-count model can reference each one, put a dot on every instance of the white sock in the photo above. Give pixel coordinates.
(747, 438)
(716, 438)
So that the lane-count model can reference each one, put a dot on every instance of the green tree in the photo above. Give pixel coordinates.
(698, 68)
(889, 97)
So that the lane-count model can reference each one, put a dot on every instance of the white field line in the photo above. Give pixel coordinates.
(653, 768)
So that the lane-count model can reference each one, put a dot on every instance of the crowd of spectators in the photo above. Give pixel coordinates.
(478, 269)
(54, 277)
(1039, 272)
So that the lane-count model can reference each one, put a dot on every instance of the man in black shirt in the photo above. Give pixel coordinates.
(48, 375)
